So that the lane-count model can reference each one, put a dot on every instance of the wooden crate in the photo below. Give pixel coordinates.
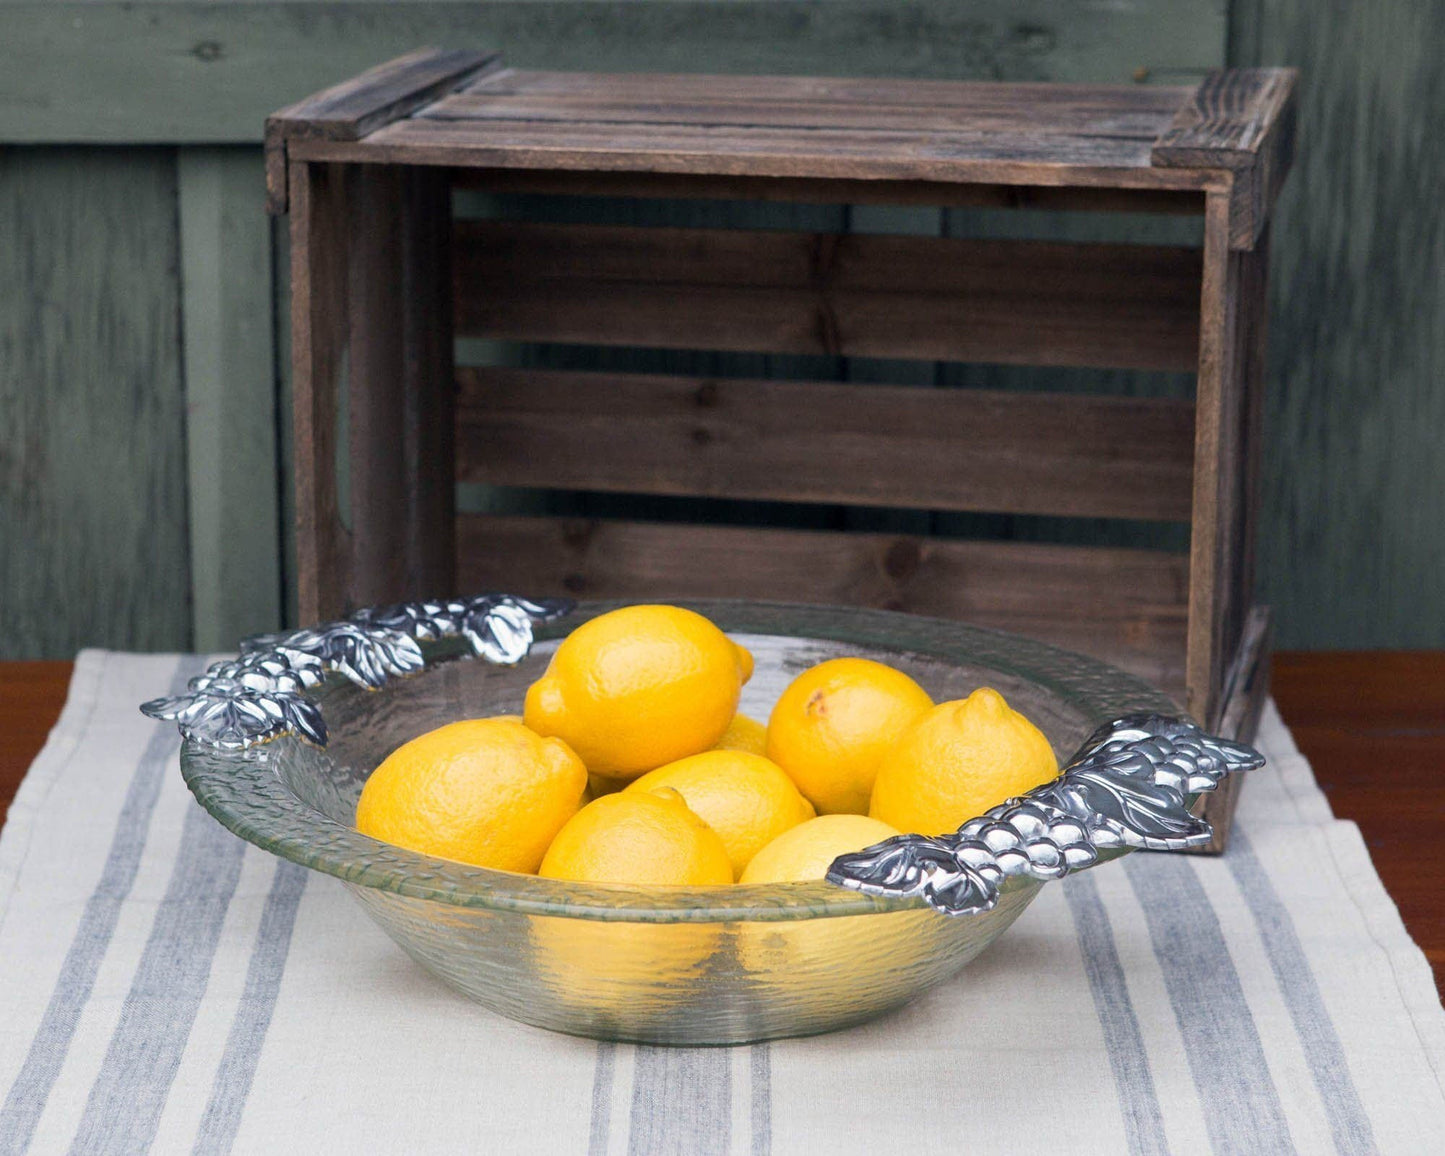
(383, 281)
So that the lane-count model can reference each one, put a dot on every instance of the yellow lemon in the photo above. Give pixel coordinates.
(744, 734)
(639, 687)
(745, 798)
(833, 723)
(619, 978)
(488, 792)
(957, 761)
(607, 973)
(645, 837)
(811, 960)
(805, 852)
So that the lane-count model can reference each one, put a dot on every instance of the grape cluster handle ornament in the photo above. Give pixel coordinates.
(1129, 787)
(261, 695)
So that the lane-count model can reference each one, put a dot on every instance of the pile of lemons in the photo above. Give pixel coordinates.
(630, 764)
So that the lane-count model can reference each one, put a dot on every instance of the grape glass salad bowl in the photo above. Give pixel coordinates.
(279, 742)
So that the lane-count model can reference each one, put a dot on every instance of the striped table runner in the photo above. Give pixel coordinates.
(165, 987)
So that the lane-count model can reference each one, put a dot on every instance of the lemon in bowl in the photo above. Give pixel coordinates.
(638, 687)
(488, 792)
(643, 838)
(745, 798)
(958, 760)
(834, 723)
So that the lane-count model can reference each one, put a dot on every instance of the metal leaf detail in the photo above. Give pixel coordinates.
(498, 627)
(1127, 787)
(916, 865)
(228, 714)
(260, 695)
(368, 655)
(1124, 810)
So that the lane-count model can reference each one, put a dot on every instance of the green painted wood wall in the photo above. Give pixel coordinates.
(143, 442)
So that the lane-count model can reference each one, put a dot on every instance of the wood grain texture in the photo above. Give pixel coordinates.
(1372, 725)
(1108, 228)
(821, 442)
(1241, 704)
(372, 387)
(981, 158)
(1230, 357)
(1030, 111)
(1242, 119)
(285, 432)
(815, 191)
(814, 101)
(810, 128)
(855, 295)
(1125, 606)
(400, 386)
(32, 695)
(428, 385)
(213, 71)
(233, 462)
(1227, 120)
(93, 539)
(361, 104)
(1353, 481)
(320, 202)
(375, 384)
(652, 213)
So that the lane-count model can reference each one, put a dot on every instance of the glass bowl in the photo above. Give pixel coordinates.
(717, 965)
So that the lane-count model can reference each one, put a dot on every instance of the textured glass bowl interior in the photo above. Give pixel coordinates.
(658, 965)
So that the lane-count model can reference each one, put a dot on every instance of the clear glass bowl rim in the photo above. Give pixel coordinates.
(242, 790)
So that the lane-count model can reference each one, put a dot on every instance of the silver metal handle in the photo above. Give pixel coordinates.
(1127, 787)
(261, 695)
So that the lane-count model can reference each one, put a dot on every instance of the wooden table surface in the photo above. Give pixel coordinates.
(1371, 723)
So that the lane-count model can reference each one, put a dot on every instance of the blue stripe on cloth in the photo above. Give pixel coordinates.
(130, 1090)
(598, 1134)
(222, 1118)
(1123, 1041)
(1349, 1123)
(681, 1102)
(46, 1056)
(1241, 1104)
(762, 1100)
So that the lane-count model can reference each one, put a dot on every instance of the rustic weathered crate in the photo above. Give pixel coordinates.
(383, 281)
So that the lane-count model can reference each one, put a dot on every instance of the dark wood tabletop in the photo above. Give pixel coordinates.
(1372, 724)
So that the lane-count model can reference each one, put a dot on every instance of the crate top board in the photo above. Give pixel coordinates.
(809, 138)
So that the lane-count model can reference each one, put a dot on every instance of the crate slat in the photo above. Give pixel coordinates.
(1040, 105)
(937, 299)
(1028, 453)
(1124, 606)
(350, 110)
(1226, 450)
(820, 191)
(962, 155)
(1106, 112)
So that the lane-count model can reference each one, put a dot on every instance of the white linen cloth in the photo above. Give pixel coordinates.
(165, 987)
